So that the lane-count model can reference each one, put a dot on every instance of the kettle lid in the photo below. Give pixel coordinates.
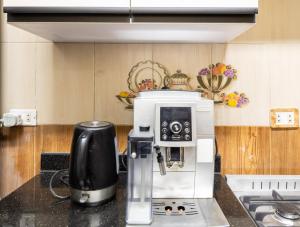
(94, 124)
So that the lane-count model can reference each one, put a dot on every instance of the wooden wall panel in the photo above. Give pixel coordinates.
(276, 22)
(293, 151)
(189, 58)
(64, 82)
(227, 139)
(285, 156)
(16, 157)
(244, 150)
(54, 138)
(113, 62)
(263, 150)
(122, 135)
(254, 152)
(254, 64)
(279, 154)
(17, 76)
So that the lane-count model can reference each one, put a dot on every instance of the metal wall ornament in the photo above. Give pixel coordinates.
(147, 75)
(178, 81)
(151, 75)
(143, 76)
(217, 77)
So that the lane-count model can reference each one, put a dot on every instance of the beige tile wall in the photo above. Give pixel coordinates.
(112, 64)
(277, 21)
(64, 83)
(253, 79)
(71, 82)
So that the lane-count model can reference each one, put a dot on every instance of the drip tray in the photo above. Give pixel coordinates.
(186, 213)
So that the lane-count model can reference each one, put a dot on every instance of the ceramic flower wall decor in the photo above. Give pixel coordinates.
(214, 79)
(151, 75)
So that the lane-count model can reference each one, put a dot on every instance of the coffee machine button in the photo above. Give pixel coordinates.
(187, 137)
(186, 124)
(164, 130)
(187, 130)
(176, 127)
(164, 124)
(164, 137)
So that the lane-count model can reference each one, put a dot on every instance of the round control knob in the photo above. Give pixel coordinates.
(176, 127)
(187, 137)
(164, 124)
(186, 124)
(164, 137)
(187, 130)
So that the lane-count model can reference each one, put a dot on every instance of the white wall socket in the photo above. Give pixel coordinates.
(285, 118)
(28, 116)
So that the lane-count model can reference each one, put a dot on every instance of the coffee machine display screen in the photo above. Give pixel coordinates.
(175, 123)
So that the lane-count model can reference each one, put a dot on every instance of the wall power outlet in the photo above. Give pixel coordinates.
(28, 116)
(284, 118)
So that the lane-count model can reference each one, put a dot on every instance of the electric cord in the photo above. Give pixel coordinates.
(62, 180)
(122, 158)
(65, 180)
(216, 145)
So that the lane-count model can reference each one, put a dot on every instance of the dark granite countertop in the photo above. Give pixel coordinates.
(33, 205)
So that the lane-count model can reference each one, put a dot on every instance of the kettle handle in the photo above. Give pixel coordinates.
(81, 152)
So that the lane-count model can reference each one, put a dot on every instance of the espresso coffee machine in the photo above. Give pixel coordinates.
(171, 161)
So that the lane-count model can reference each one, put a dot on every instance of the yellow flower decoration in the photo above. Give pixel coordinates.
(232, 102)
(124, 94)
(232, 96)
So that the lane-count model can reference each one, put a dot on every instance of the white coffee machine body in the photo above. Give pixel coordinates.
(178, 129)
(196, 177)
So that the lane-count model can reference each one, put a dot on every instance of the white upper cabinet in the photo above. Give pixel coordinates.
(137, 6)
(195, 6)
(67, 6)
(133, 21)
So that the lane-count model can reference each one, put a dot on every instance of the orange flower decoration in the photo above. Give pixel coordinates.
(219, 69)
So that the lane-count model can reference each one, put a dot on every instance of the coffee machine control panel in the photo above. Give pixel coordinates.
(175, 124)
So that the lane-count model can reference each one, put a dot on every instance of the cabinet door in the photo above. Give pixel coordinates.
(193, 6)
(70, 6)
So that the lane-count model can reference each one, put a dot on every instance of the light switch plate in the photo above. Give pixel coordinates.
(284, 118)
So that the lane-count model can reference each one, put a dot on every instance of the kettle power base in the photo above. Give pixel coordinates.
(186, 213)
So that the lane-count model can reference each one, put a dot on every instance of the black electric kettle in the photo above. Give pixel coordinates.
(94, 164)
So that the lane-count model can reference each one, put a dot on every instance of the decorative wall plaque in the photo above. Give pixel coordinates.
(143, 76)
(151, 75)
(214, 79)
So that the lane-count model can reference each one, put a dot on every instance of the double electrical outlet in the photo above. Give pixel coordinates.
(284, 118)
(25, 117)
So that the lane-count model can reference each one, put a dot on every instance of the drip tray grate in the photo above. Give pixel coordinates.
(175, 208)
